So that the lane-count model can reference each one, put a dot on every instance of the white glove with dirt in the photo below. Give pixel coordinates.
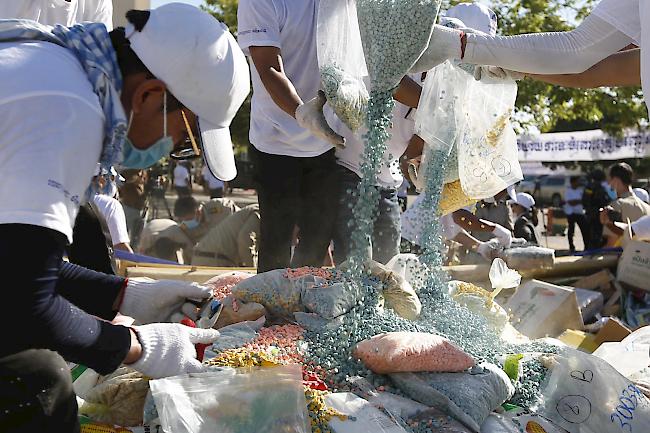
(488, 250)
(310, 116)
(168, 349)
(503, 235)
(497, 73)
(150, 301)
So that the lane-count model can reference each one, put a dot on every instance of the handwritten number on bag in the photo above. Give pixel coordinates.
(623, 424)
(628, 403)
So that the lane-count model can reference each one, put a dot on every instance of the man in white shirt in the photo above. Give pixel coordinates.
(182, 180)
(64, 12)
(575, 212)
(292, 144)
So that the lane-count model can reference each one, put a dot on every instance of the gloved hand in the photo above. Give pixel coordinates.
(149, 301)
(310, 116)
(415, 175)
(497, 73)
(488, 250)
(503, 235)
(168, 349)
(445, 44)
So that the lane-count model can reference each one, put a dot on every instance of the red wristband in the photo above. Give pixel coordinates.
(463, 44)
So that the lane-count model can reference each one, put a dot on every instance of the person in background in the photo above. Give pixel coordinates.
(595, 197)
(642, 194)
(133, 197)
(496, 210)
(182, 180)
(216, 187)
(627, 206)
(575, 212)
(233, 242)
(522, 206)
(402, 194)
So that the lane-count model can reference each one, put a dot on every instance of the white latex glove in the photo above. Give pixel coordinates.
(149, 301)
(168, 349)
(503, 235)
(310, 116)
(444, 44)
(417, 179)
(497, 73)
(487, 250)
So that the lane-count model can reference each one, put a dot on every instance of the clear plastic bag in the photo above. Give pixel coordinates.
(584, 394)
(341, 61)
(487, 150)
(253, 400)
(237, 335)
(274, 290)
(529, 258)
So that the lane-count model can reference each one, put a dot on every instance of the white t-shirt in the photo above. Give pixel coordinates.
(67, 13)
(213, 182)
(291, 26)
(113, 213)
(573, 194)
(181, 176)
(46, 158)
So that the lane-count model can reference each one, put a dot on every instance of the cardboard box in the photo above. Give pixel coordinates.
(601, 281)
(613, 331)
(579, 340)
(634, 265)
(540, 309)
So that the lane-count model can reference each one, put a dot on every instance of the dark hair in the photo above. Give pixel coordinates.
(128, 60)
(598, 175)
(623, 171)
(185, 206)
(165, 248)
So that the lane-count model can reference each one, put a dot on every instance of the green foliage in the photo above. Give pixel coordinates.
(226, 11)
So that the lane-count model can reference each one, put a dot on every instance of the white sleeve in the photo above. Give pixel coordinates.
(101, 13)
(258, 24)
(622, 14)
(548, 53)
(113, 214)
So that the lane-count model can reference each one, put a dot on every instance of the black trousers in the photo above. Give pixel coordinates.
(295, 191)
(216, 193)
(584, 230)
(36, 393)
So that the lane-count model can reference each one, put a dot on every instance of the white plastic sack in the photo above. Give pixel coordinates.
(469, 397)
(629, 357)
(584, 394)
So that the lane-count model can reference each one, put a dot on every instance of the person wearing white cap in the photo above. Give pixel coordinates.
(73, 97)
(522, 206)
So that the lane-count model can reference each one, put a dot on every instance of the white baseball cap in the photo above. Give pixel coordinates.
(523, 199)
(475, 16)
(202, 65)
(642, 194)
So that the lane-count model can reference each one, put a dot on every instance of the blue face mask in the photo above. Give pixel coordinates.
(191, 224)
(133, 157)
(145, 158)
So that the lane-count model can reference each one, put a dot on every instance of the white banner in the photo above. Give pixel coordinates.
(583, 146)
